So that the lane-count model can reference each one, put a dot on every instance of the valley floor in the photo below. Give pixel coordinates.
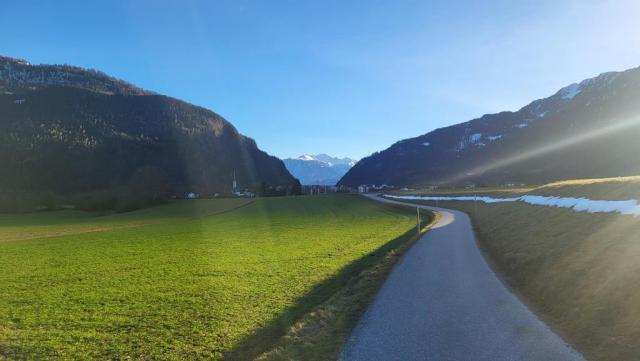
(202, 279)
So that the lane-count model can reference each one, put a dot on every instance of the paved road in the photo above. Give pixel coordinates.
(443, 302)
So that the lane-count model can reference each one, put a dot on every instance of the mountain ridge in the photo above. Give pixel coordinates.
(67, 129)
(319, 169)
(18, 75)
(511, 146)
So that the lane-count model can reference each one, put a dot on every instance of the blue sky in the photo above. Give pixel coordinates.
(346, 78)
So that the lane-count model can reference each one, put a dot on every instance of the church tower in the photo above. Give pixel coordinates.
(235, 183)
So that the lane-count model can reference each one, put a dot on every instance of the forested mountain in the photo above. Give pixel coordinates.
(587, 129)
(65, 130)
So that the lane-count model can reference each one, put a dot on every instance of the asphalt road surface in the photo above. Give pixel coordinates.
(442, 301)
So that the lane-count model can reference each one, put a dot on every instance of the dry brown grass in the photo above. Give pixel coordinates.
(619, 188)
(594, 181)
(614, 188)
(480, 191)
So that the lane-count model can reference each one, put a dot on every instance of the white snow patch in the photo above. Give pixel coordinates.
(570, 92)
(471, 139)
(494, 137)
(426, 144)
(460, 198)
(629, 207)
(521, 125)
(306, 157)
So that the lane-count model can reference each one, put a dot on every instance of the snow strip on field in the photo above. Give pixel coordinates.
(629, 207)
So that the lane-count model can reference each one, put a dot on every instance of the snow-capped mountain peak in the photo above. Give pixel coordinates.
(306, 157)
(319, 169)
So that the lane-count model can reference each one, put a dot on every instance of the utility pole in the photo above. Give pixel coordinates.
(475, 204)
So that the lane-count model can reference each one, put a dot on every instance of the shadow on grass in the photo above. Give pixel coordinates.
(266, 337)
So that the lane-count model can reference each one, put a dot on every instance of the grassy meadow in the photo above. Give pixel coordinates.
(580, 271)
(201, 279)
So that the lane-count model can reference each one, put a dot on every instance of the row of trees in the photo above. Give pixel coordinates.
(145, 189)
(295, 189)
(119, 200)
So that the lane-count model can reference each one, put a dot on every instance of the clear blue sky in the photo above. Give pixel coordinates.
(341, 77)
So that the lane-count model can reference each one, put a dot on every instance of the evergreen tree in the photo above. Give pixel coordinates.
(264, 189)
(296, 188)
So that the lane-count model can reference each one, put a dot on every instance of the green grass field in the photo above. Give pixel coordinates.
(188, 280)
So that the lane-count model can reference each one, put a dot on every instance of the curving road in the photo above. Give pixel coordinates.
(442, 301)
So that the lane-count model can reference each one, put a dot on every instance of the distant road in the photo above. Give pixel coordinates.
(442, 301)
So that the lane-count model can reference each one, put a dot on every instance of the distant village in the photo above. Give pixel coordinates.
(236, 191)
(240, 192)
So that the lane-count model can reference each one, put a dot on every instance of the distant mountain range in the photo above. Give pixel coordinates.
(320, 169)
(66, 129)
(587, 129)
